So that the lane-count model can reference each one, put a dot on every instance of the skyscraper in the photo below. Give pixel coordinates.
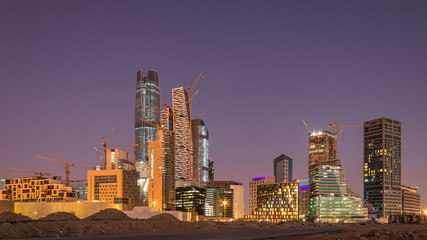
(200, 151)
(382, 165)
(183, 151)
(168, 160)
(283, 168)
(147, 106)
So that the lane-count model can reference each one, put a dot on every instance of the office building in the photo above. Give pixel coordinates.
(200, 142)
(277, 202)
(303, 199)
(411, 200)
(168, 159)
(283, 168)
(114, 186)
(80, 188)
(147, 107)
(253, 190)
(117, 159)
(36, 189)
(224, 199)
(155, 189)
(211, 174)
(329, 199)
(382, 165)
(191, 198)
(183, 149)
(238, 201)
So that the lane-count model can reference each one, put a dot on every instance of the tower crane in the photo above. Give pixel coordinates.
(206, 108)
(40, 174)
(104, 144)
(305, 124)
(338, 131)
(65, 165)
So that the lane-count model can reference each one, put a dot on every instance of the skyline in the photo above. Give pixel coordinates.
(68, 71)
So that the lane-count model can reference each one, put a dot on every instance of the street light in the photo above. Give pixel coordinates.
(225, 205)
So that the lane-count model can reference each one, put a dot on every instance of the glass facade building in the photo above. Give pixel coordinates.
(382, 166)
(283, 168)
(191, 197)
(200, 151)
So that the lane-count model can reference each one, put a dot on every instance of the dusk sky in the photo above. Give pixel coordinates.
(68, 74)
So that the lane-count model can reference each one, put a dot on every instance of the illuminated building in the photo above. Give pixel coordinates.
(253, 190)
(303, 199)
(155, 189)
(277, 202)
(225, 196)
(114, 186)
(329, 199)
(382, 165)
(183, 150)
(190, 197)
(411, 200)
(117, 159)
(200, 151)
(168, 160)
(36, 189)
(283, 168)
(147, 106)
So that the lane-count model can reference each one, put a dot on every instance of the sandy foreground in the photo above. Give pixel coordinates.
(114, 222)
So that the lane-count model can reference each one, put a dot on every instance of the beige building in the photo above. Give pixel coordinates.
(117, 159)
(36, 189)
(114, 186)
(411, 200)
(253, 189)
(155, 186)
(238, 201)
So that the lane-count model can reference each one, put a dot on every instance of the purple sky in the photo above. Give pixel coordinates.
(68, 74)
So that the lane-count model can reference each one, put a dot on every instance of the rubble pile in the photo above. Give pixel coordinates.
(60, 216)
(10, 216)
(109, 214)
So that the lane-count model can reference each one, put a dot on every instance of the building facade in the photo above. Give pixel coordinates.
(303, 199)
(253, 190)
(382, 165)
(183, 149)
(277, 202)
(283, 168)
(411, 200)
(147, 107)
(156, 185)
(200, 140)
(191, 197)
(36, 189)
(116, 159)
(168, 159)
(80, 188)
(211, 174)
(114, 186)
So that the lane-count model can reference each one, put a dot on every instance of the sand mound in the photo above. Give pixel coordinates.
(61, 216)
(164, 217)
(109, 214)
(10, 216)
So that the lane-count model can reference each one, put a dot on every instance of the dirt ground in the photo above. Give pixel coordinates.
(112, 222)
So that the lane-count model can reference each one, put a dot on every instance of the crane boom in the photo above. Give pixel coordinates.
(25, 170)
(305, 124)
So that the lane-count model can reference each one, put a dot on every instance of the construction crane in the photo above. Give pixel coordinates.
(40, 174)
(338, 131)
(65, 165)
(305, 124)
(200, 116)
(104, 144)
(99, 154)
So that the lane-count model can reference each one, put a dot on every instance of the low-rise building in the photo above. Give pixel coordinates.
(190, 198)
(303, 199)
(253, 189)
(411, 200)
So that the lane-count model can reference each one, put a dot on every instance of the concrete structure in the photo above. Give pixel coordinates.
(253, 190)
(155, 189)
(329, 199)
(115, 158)
(148, 212)
(238, 201)
(147, 106)
(382, 165)
(200, 140)
(411, 200)
(168, 160)
(191, 197)
(283, 168)
(36, 189)
(303, 199)
(183, 149)
(277, 202)
(114, 186)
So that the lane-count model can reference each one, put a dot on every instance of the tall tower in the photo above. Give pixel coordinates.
(168, 164)
(283, 168)
(382, 165)
(183, 151)
(147, 106)
(200, 151)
